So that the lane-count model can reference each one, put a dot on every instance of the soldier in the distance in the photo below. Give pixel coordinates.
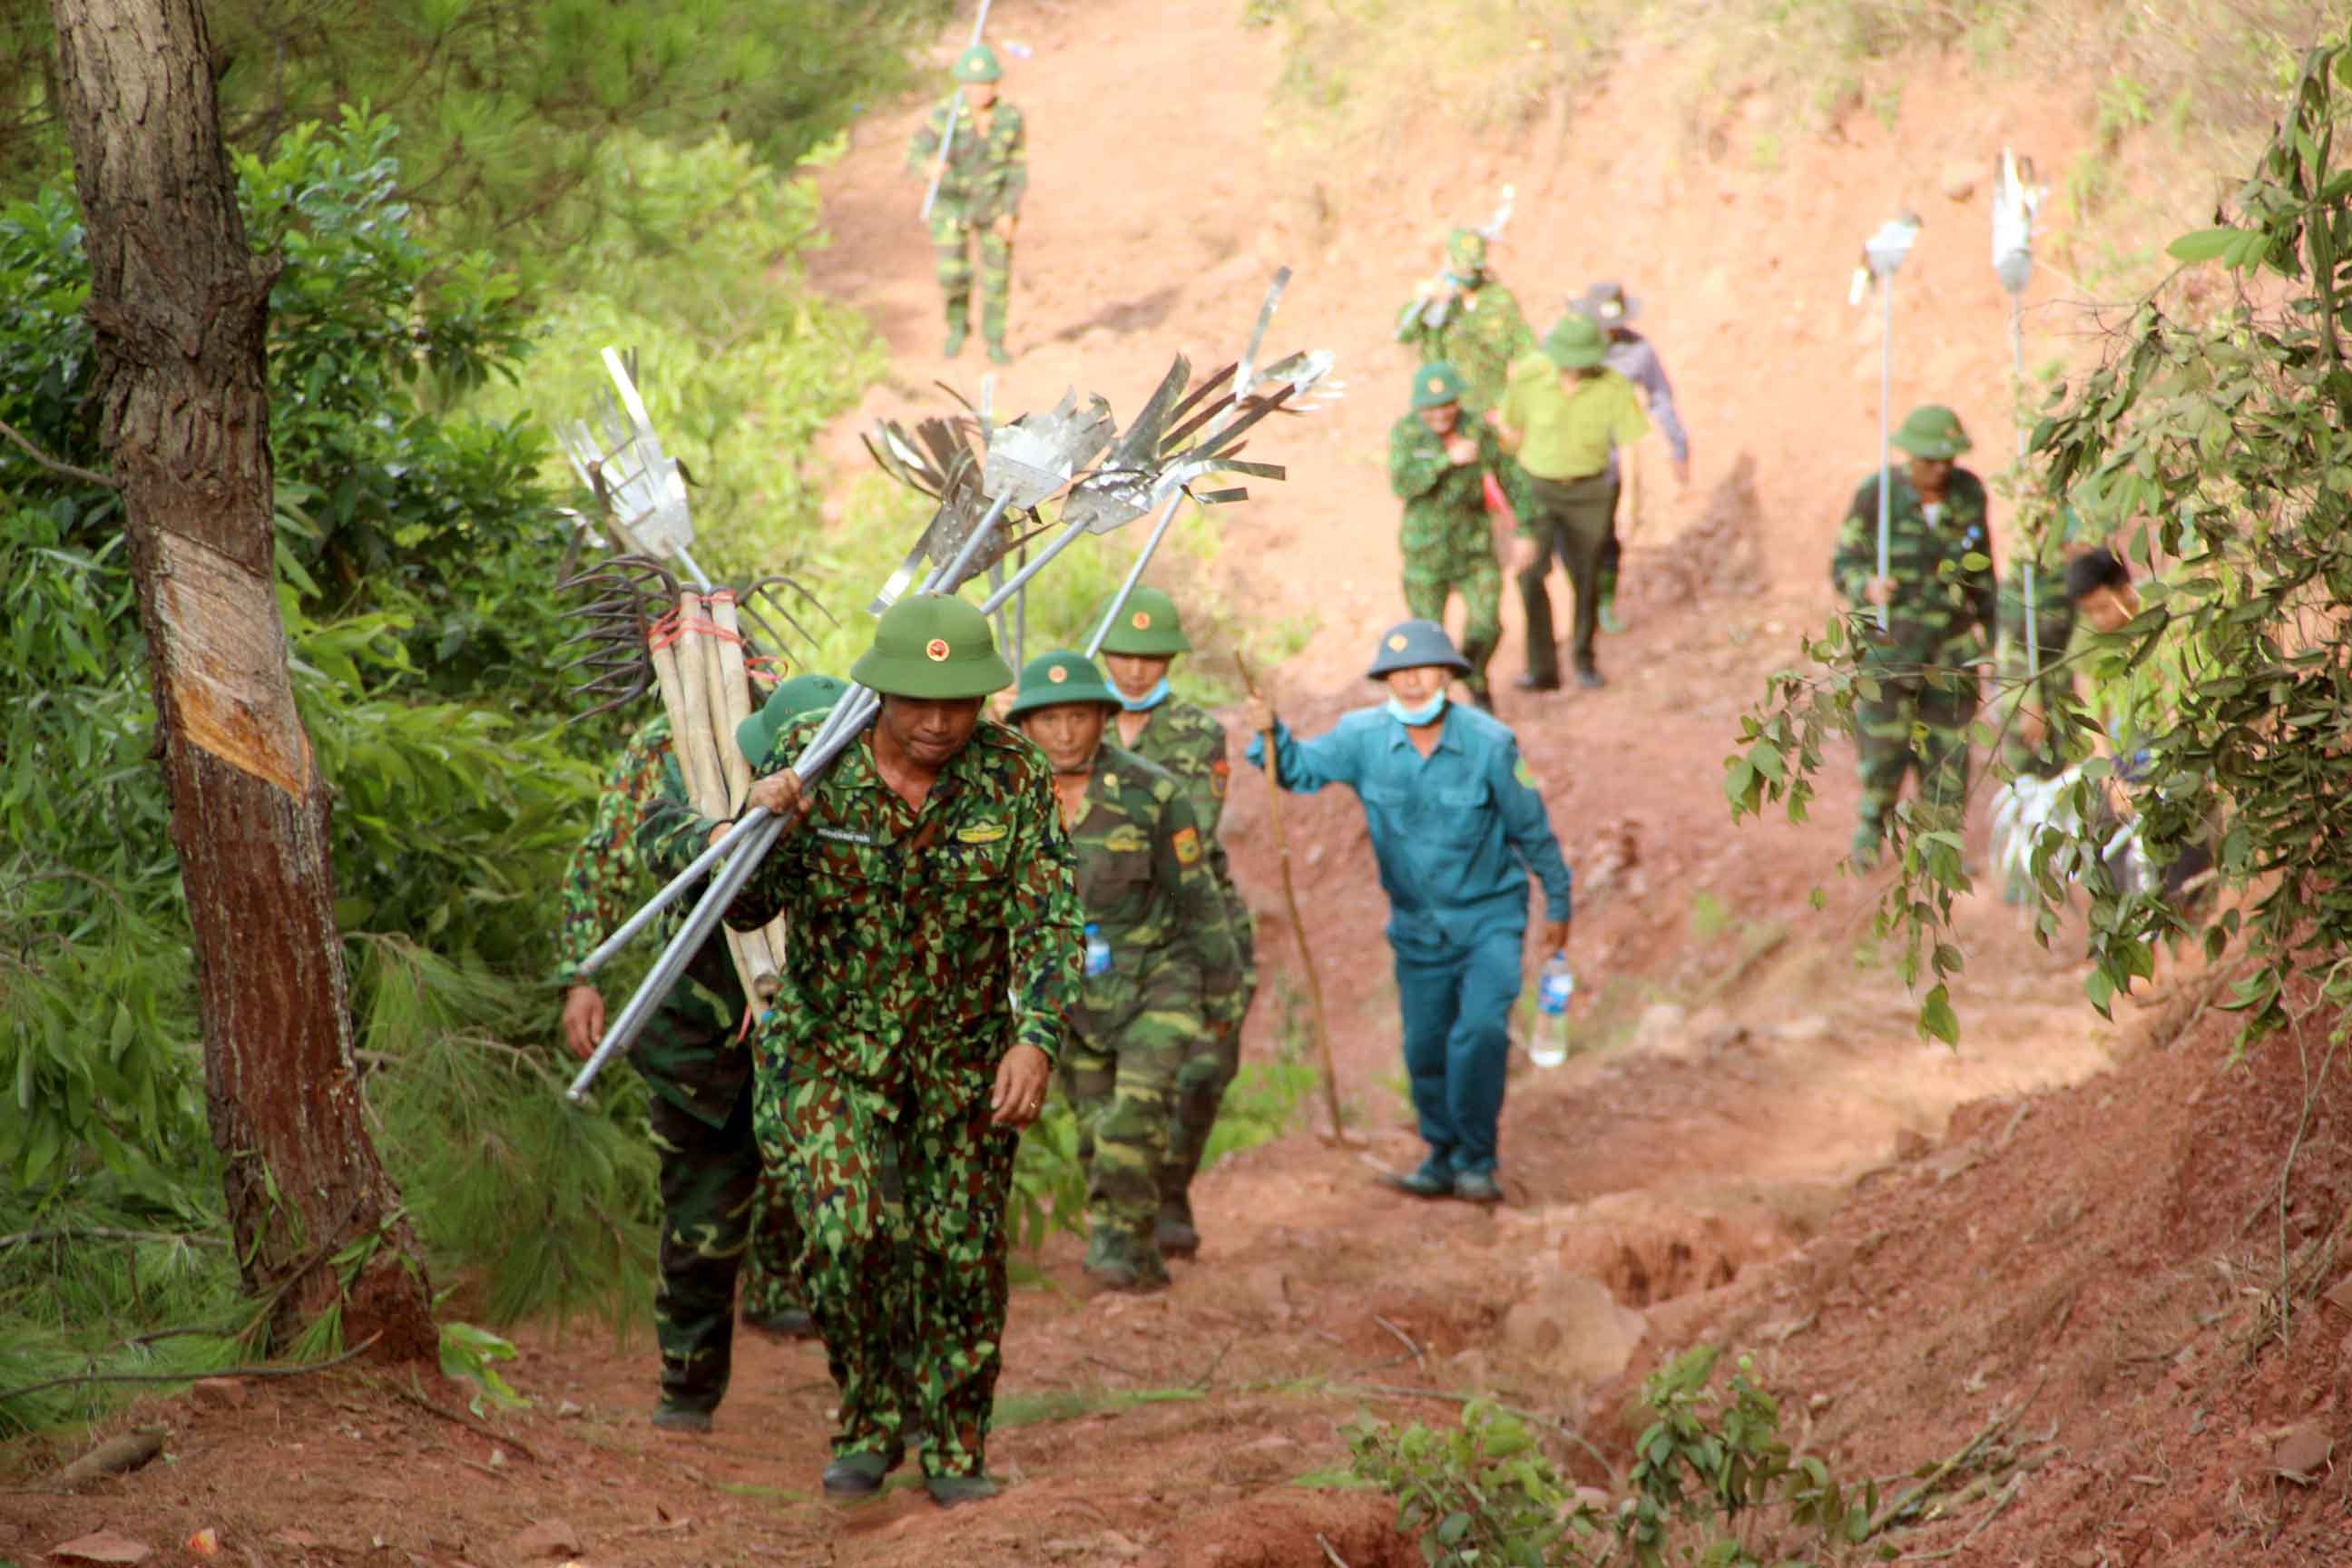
(979, 197)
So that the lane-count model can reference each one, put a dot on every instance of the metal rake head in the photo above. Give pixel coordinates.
(620, 603)
(619, 457)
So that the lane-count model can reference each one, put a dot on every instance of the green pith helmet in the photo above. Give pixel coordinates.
(1147, 627)
(1416, 645)
(802, 694)
(1466, 251)
(1052, 680)
(1577, 342)
(1435, 386)
(977, 65)
(1932, 430)
(934, 646)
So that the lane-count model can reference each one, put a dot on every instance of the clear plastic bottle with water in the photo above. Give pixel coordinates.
(1554, 986)
(1098, 950)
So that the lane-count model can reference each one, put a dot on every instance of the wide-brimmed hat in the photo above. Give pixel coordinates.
(934, 646)
(756, 735)
(1609, 304)
(1053, 679)
(1577, 342)
(1147, 626)
(1416, 645)
(1932, 430)
(1435, 386)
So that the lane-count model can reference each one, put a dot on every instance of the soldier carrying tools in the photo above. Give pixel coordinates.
(1438, 466)
(1161, 969)
(1466, 319)
(934, 950)
(1163, 729)
(694, 1059)
(981, 185)
(1940, 601)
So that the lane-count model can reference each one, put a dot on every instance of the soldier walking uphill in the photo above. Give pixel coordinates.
(1438, 465)
(1630, 356)
(1940, 597)
(1189, 742)
(1156, 929)
(934, 950)
(1457, 823)
(979, 198)
(1563, 415)
(694, 1059)
(1466, 319)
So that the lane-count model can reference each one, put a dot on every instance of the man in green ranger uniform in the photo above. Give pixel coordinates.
(1188, 741)
(979, 198)
(1155, 927)
(1940, 596)
(1438, 464)
(934, 950)
(694, 1059)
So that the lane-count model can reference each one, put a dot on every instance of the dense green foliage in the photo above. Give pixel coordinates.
(2209, 448)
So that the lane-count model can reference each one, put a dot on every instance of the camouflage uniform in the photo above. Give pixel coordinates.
(987, 172)
(1189, 744)
(1924, 663)
(1448, 542)
(1149, 897)
(693, 1060)
(925, 946)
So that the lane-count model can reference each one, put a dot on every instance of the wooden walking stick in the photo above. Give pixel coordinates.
(1338, 1133)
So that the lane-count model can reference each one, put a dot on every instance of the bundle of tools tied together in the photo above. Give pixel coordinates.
(988, 481)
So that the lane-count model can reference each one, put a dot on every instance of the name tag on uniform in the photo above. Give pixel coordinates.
(981, 832)
(843, 836)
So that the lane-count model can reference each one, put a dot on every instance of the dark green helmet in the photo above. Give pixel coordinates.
(1932, 430)
(933, 646)
(1577, 342)
(802, 694)
(1147, 627)
(1465, 252)
(1054, 679)
(1435, 386)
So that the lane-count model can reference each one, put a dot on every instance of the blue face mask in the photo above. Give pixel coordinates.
(1148, 701)
(1414, 718)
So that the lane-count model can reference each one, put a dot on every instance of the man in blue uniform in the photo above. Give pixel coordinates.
(1457, 823)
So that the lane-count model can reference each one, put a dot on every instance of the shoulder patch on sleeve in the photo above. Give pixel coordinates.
(1526, 775)
(1186, 844)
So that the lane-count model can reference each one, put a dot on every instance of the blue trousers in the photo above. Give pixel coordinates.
(1457, 1008)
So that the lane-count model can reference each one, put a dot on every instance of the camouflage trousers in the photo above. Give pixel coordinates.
(953, 239)
(1435, 573)
(771, 1266)
(910, 1297)
(1120, 1079)
(1887, 749)
(1208, 1072)
(708, 1175)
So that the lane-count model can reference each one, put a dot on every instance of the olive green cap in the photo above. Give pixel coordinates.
(1435, 386)
(756, 735)
(1147, 627)
(977, 64)
(1054, 679)
(1466, 248)
(1576, 342)
(934, 646)
(1932, 430)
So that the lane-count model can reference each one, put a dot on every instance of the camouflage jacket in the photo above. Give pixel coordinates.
(1943, 611)
(1144, 880)
(2054, 629)
(925, 944)
(603, 885)
(1443, 505)
(1479, 336)
(988, 170)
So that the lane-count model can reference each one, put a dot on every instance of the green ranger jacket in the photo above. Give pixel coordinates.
(2054, 629)
(925, 944)
(1144, 880)
(1444, 506)
(603, 885)
(1189, 745)
(1943, 610)
(1480, 336)
(987, 172)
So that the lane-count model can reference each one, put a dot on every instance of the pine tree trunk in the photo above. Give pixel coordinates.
(180, 307)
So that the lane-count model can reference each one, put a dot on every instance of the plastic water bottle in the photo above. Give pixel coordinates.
(1553, 988)
(1098, 950)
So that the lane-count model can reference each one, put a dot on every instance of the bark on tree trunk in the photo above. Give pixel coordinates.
(180, 307)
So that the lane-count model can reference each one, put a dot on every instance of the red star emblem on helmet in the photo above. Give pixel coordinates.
(937, 650)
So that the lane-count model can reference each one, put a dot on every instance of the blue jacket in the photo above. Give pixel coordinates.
(1455, 834)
